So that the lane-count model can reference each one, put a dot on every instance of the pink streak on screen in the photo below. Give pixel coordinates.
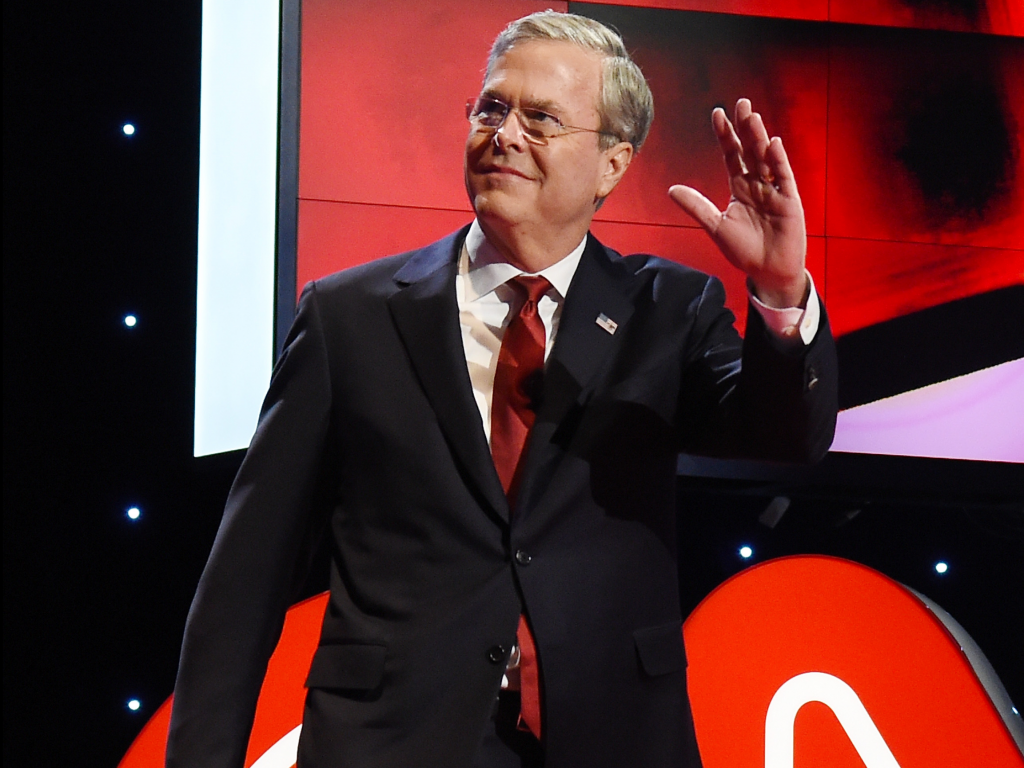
(979, 416)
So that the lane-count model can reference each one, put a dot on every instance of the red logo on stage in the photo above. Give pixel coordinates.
(798, 662)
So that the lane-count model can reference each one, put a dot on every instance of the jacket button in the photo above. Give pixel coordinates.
(496, 654)
(523, 557)
(812, 378)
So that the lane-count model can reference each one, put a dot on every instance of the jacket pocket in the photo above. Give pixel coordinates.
(354, 666)
(660, 649)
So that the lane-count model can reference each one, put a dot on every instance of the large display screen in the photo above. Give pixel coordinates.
(904, 122)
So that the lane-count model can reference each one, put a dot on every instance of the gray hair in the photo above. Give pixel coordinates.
(626, 104)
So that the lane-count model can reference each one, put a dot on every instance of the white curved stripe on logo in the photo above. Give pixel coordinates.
(837, 696)
(285, 751)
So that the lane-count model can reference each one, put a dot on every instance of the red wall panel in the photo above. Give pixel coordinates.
(696, 62)
(384, 87)
(871, 281)
(924, 147)
(335, 236)
(924, 138)
(1000, 17)
(815, 10)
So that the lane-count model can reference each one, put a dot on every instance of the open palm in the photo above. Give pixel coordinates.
(762, 229)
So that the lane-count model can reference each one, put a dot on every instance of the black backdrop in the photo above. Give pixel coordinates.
(98, 417)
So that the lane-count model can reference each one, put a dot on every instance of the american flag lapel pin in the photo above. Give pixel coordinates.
(607, 323)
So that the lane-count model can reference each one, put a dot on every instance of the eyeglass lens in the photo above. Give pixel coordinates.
(491, 113)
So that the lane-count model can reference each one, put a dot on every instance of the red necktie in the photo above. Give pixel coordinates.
(517, 381)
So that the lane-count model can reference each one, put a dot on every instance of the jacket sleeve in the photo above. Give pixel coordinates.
(274, 513)
(756, 397)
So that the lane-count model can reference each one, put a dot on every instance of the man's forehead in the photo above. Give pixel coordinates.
(549, 70)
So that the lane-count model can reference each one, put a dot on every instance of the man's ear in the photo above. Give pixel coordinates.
(617, 160)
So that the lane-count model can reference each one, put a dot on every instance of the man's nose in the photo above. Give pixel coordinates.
(506, 136)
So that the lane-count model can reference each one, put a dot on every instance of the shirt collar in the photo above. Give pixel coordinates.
(486, 269)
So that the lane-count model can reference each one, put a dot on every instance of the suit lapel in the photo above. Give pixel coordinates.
(602, 290)
(425, 311)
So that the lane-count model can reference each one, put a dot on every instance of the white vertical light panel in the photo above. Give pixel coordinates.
(238, 116)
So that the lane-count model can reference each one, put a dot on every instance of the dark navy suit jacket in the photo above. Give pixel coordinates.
(370, 433)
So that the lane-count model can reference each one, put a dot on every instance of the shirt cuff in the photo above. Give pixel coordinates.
(791, 323)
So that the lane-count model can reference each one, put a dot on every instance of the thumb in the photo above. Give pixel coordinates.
(702, 210)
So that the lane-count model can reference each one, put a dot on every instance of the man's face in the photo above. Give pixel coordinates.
(541, 190)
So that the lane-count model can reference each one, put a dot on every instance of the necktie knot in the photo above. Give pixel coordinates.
(532, 286)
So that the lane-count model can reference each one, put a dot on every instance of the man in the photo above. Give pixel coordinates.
(493, 456)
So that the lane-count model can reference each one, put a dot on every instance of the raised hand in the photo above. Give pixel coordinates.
(762, 230)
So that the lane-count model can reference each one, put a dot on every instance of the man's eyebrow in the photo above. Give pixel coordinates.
(544, 105)
(492, 93)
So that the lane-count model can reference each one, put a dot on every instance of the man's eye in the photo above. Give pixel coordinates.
(537, 117)
(490, 107)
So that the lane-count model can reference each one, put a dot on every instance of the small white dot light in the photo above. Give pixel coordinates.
(746, 552)
(133, 513)
(134, 705)
(941, 567)
(130, 320)
(128, 129)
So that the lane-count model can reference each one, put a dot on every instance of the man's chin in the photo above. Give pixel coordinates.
(498, 208)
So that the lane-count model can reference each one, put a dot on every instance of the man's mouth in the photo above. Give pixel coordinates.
(502, 169)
